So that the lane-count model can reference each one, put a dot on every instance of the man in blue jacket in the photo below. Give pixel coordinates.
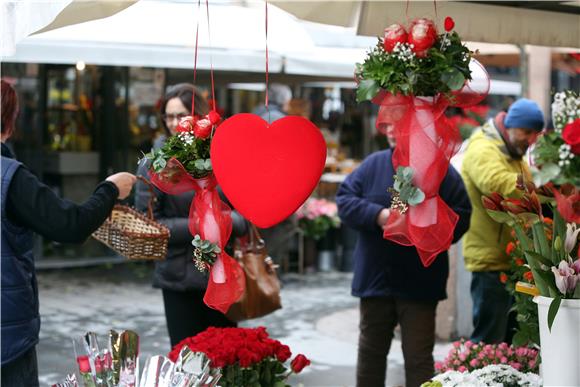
(393, 285)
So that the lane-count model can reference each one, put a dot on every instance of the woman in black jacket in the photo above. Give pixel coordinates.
(183, 285)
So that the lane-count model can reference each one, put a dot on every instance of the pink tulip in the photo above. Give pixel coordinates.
(565, 277)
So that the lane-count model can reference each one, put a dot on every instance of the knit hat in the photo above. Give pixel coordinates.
(525, 114)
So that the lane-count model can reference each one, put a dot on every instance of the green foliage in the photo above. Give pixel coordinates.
(404, 186)
(318, 227)
(268, 373)
(205, 252)
(441, 71)
(193, 156)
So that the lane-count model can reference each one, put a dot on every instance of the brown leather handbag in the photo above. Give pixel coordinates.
(262, 294)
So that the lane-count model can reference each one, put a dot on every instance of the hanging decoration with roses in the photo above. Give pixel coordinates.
(414, 74)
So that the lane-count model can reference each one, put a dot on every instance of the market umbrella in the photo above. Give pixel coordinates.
(542, 23)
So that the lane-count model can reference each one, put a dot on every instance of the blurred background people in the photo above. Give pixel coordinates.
(492, 163)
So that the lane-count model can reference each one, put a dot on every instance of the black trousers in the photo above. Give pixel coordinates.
(378, 318)
(22, 371)
(187, 315)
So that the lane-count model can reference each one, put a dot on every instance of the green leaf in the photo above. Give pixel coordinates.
(541, 241)
(207, 164)
(367, 90)
(406, 192)
(553, 310)
(453, 78)
(406, 174)
(519, 339)
(417, 197)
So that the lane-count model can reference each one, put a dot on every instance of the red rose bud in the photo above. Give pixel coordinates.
(185, 124)
(202, 128)
(299, 363)
(519, 262)
(422, 35)
(571, 136)
(529, 276)
(449, 24)
(510, 248)
(503, 278)
(283, 353)
(395, 33)
(214, 117)
(84, 365)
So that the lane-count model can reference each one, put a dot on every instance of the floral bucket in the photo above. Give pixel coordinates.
(560, 346)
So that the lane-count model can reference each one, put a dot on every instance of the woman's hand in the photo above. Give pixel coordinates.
(383, 217)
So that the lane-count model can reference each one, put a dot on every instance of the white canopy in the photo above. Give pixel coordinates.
(546, 23)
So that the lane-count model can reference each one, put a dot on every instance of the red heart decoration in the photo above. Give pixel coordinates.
(267, 170)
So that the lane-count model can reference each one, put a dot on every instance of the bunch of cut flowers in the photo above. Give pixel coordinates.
(190, 146)
(246, 356)
(556, 154)
(519, 282)
(497, 375)
(467, 356)
(550, 248)
(416, 60)
(317, 216)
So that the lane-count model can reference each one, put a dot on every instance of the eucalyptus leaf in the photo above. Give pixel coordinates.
(417, 197)
(453, 78)
(367, 90)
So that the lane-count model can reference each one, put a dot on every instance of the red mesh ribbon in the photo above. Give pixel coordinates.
(211, 218)
(425, 142)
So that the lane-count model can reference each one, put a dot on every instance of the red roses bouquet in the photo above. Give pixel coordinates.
(414, 74)
(182, 165)
(247, 356)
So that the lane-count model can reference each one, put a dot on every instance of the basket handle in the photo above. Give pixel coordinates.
(151, 196)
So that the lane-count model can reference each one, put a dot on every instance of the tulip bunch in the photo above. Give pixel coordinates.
(549, 247)
(190, 146)
(247, 356)
(415, 61)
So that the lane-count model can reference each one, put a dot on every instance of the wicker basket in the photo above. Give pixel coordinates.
(134, 235)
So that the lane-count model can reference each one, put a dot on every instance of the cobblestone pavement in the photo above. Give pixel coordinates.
(319, 319)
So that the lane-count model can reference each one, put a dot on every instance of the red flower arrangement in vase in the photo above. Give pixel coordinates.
(247, 356)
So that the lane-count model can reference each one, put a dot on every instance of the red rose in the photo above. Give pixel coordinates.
(202, 128)
(84, 365)
(503, 278)
(299, 363)
(449, 24)
(510, 248)
(283, 353)
(571, 135)
(529, 276)
(214, 117)
(185, 124)
(395, 33)
(422, 35)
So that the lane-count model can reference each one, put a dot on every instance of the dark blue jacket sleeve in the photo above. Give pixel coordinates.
(354, 210)
(454, 194)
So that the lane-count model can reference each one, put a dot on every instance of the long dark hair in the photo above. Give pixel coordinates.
(9, 107)
(185, 92)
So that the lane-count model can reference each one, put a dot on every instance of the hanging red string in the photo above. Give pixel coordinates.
(214, 106)
(267, 59)
(195, 57)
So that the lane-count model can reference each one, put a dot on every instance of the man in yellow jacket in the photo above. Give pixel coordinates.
(492, 162)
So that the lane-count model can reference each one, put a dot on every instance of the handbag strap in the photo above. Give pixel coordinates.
(256, 241)
(151, 195)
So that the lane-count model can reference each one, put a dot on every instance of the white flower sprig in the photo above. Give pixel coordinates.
(186, 137)
(565, 109)
(404, 51)
(566, 155)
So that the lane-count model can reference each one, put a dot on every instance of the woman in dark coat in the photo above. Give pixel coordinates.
(183, 285)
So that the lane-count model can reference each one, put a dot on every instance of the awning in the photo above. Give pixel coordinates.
(542, 23)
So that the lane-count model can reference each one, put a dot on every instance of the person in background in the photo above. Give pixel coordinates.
(492, 163)
(28, 207)
(278, 98)
(182, 285)
(393, 285)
